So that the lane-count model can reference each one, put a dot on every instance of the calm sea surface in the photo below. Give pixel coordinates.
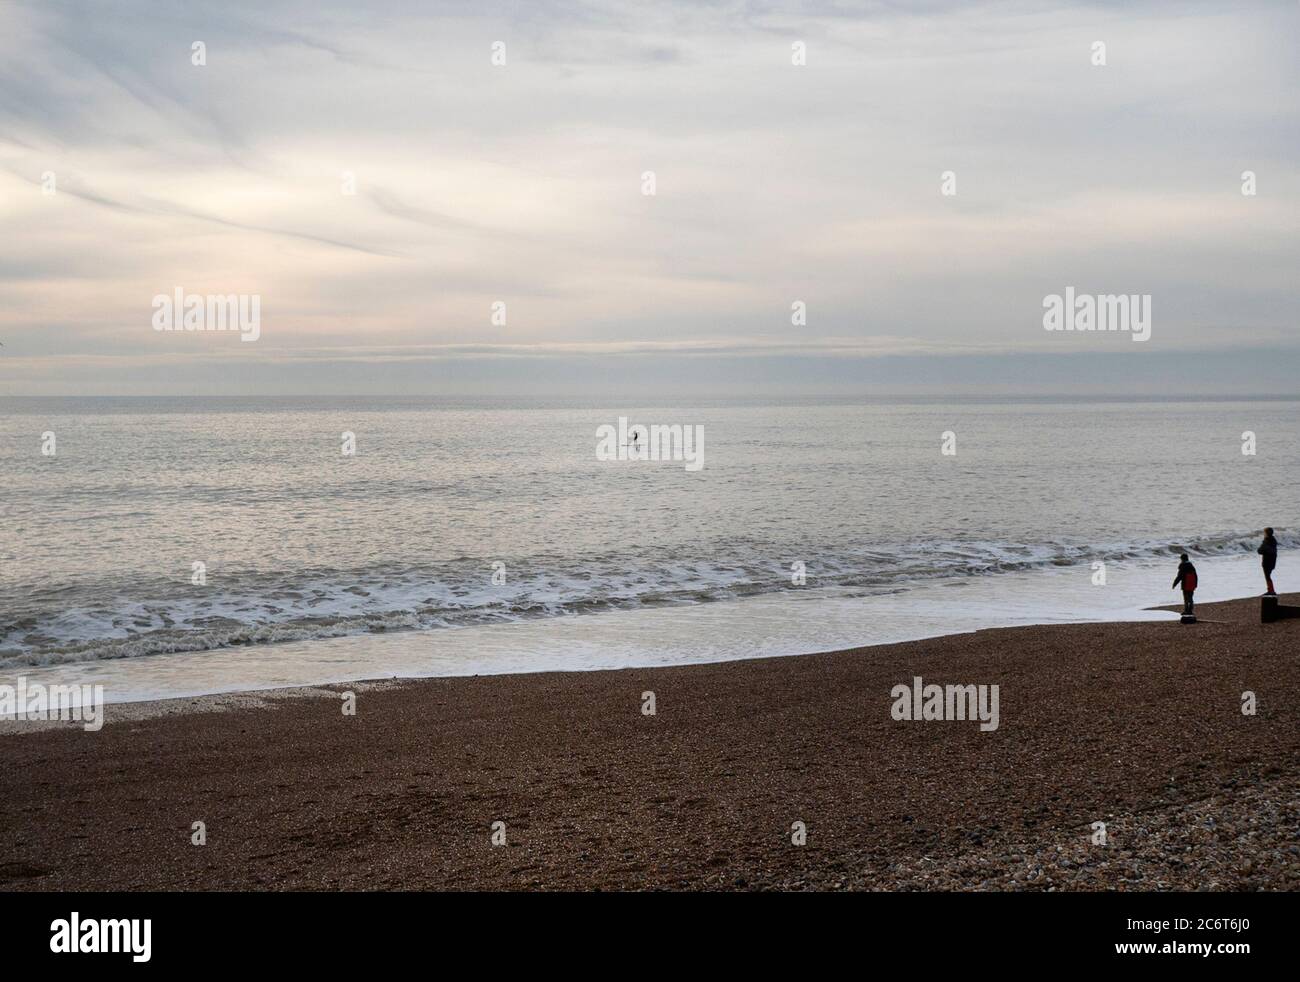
(299, 542)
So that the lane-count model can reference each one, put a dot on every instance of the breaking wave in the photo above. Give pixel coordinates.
(105, 619)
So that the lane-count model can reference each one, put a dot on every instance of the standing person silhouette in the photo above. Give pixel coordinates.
(1187, 577)
(1269, 551)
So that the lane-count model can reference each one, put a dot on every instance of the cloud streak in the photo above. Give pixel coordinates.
(521, 183)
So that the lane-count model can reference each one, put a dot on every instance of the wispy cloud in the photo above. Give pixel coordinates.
(521, 184)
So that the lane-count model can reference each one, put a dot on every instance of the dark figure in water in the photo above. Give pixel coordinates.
(1269, 551)
(1187, 577)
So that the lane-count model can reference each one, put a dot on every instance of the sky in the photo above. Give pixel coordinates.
(383, 184)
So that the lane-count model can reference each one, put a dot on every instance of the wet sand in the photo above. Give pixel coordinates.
(1136, 725)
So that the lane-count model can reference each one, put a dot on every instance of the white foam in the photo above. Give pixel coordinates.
(794, 621)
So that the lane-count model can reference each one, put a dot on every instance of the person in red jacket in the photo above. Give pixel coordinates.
(1187, 577)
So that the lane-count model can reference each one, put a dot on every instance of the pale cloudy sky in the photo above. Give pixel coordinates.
(521, 183)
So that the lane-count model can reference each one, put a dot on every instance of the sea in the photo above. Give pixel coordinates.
(168, 547)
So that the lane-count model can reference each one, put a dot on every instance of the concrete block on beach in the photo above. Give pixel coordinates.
(1270, 610)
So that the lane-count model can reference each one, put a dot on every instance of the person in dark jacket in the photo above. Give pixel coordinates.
(1269, 551)
(1187, 577)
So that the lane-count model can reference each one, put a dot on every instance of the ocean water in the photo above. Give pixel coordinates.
(323, 567)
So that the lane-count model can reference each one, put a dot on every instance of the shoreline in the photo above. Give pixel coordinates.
(266, 697)
(775, 625)
(1136, 724)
